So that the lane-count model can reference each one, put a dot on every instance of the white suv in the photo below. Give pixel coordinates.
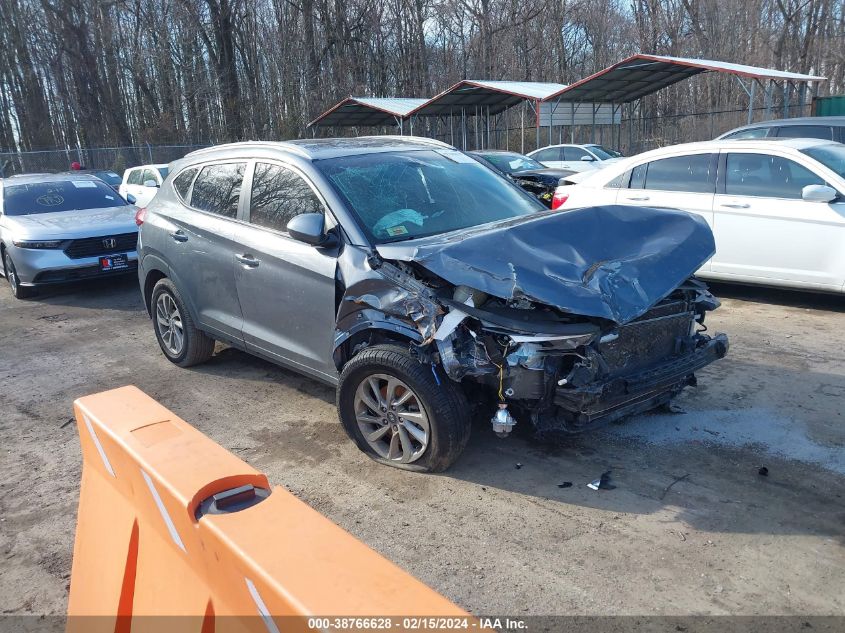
(575, 158)
(776, 207)
(142, 182)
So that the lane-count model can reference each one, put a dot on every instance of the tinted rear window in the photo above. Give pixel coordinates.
(691, 173)
(510, 163)
(218, 188)
(806, 131)
(182, 182)
(757, 132)
(57, 196)
(552, 153)
(108, 176)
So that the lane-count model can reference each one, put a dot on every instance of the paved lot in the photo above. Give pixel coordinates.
(494, 538)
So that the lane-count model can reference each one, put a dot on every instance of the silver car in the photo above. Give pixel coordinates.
(424, 284)
(63, 227)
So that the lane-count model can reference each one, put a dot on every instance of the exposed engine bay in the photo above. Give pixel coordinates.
(564, 336)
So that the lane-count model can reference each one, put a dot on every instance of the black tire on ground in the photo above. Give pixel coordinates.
(18, 291)
(198, 347)
(445, 405)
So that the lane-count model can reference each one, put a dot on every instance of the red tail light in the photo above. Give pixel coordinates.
(559, 198)
(140, 216)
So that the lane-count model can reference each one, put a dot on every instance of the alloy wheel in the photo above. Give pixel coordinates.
(391, 418)
(169, 324)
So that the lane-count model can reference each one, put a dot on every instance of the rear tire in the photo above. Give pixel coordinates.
(18, 291)
(179, 338)
(437, 427)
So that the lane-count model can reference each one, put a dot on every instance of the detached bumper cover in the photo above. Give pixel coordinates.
(617, 397)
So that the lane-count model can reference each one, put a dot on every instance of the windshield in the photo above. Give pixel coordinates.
(57, 196)
(403, 195)
(163, 171)
(109, 177)
(831, 156)
(603, 152)
(510, 163)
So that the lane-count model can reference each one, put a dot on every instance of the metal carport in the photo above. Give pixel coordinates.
(641, 75)
(483, 99)
(368, 112)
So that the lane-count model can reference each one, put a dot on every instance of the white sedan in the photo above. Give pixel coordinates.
(776, 207)
(575, 157)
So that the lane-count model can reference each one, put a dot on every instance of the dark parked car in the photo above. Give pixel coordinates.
(532, 176)
(109, 177)
(829, 128)
(417, 280)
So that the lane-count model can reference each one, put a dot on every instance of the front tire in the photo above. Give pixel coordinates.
(179, 338)
(18, 291)
(393, 408)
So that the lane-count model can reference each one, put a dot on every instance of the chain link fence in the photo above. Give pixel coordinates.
(116, 159)
(631, 136)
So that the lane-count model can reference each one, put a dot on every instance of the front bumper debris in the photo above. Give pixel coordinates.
(603, 401)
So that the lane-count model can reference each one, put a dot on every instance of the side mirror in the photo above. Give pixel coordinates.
(131, 199)
(587, 159)
(819, 193)
(150, 183)
(310, 228)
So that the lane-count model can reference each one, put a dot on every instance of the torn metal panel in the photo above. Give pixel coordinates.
(611, 262)
(380, 295)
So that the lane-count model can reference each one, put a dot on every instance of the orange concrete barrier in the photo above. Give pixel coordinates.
(172, 524)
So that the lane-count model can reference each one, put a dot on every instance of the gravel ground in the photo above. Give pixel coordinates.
(691, 527)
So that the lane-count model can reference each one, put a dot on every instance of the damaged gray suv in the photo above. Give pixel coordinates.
(426, 287)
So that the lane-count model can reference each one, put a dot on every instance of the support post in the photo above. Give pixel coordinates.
(522, 129)
(785, 99)
(769, 95)
(751, 102)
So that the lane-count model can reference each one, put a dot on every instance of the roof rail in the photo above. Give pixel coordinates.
(245, 144)
(413, 139)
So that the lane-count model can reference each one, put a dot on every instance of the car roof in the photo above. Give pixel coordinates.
(494, 151)
(23, 179)
(568, 145)
(323, 148)
(86, 172)
(156, 165)
(804, 120)
(763, 143)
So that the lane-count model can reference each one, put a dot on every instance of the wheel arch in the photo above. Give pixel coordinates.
(151, 279)
(371, 331)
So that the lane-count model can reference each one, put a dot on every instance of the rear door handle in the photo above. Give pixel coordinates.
(736, 205)
(179, 236)
(247, 260)
(637, 198)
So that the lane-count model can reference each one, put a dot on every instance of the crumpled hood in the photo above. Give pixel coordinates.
(612, 262)
(68, 224)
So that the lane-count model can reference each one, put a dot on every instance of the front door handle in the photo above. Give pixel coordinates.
(637, 198)
(247, 260)
(179, 236)
(736, 205)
